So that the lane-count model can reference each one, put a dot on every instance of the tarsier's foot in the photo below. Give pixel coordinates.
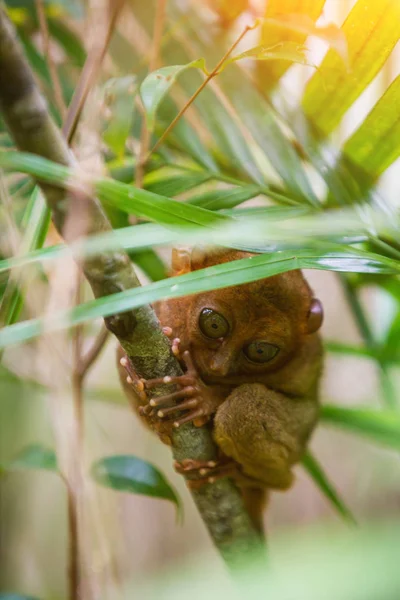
(209, 471)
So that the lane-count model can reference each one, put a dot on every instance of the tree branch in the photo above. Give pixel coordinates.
(138, 331)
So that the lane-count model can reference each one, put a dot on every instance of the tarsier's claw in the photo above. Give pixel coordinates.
(167, 331)
(175, 347)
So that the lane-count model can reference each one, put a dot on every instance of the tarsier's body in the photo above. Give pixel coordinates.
(258, 360)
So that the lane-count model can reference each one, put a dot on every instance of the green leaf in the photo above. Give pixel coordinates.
(270, 72)
(224, 199)
(305, 25)
(316, 472)
(381, 426)
(283, 51)
(119, 94)
(216, 277)
(125, 197)
(376, 143)
(127, 473)
(150, 263)
(33, 457)
(36, 222)
(160, 209)
(157, 84)
(372, 29)
(340, 348)
(68, 40)
(262, 123)
(173, 185)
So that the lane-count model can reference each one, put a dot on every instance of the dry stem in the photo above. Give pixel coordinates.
(145, 134)
(58, 95)
(138, 331)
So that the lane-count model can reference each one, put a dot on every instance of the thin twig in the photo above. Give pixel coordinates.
(90, 72)
(74, 584)
(153, 62)
(90, 357)
(57, 90)
(212, 74)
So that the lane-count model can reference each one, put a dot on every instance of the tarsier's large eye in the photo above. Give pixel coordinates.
(212, 324)
(260, 352)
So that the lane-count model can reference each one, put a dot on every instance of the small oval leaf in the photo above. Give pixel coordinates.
(156, 85)
(33, 457)
(291, 51)
(119, 94)
(302, 23)
(127, 473)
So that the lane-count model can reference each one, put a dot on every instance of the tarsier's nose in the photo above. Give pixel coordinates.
(219, 363)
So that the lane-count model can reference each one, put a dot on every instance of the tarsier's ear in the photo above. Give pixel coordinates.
(181, 261)
(315, 316)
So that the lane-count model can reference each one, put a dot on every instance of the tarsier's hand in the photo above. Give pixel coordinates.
(194, 397)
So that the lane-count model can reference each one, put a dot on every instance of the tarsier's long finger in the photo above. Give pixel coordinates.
(187, 418)
(187, 391)
(179, 379)
(164, 412)
(133, 379)
(187, 359)
(145, 410)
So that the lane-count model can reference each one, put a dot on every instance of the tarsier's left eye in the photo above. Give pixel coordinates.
(213, 324)
(260, 352)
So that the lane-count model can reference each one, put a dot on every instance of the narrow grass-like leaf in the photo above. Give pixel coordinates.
(36, 222)
(126, 473)
(358, 351)
(381, 426)
(127, 198)
(224, 199)
(174, 185)
(376, 143)
(216, 277)
(150, 263)
(68, 40)
(372, 29)
(156, 85)
(320, 478)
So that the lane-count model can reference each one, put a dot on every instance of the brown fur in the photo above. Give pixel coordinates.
(265, 413)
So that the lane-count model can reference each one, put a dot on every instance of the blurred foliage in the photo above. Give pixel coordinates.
(321, 203)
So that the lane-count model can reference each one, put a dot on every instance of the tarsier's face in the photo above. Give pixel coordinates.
(246, 331)
(250, 330)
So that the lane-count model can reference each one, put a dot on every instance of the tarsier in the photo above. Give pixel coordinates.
(252, 361)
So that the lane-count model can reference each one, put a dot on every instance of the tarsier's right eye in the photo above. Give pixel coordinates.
(213, 324)
(260, 351)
